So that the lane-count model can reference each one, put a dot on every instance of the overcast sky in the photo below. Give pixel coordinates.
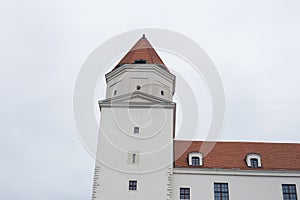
(254, 44)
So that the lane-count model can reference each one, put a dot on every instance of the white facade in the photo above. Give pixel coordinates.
(135, 139)
(136, 146)
(242, 184)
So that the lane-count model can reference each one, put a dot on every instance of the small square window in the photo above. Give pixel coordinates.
(184, 193)
(132, 185)
(136, 130)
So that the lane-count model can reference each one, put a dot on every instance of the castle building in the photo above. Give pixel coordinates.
(139, 158)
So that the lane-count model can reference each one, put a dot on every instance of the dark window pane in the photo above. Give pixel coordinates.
(132, 185)
(141, 61)
(254, 162)
(292, 189)
(136, 130)
(221, 191)
(195, 161)
(289, 192)
(184, 193)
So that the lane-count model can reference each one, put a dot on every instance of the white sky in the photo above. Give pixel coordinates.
(254, 44)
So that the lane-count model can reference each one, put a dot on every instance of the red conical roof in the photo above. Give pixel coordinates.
(142, 51)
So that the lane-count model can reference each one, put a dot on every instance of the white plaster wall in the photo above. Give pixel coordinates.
(151, 78)
(241, 187)
(113, 185)
(154, 142)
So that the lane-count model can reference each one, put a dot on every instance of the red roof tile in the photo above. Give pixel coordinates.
(229, 155)
(142, 50)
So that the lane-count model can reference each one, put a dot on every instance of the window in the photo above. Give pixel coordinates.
(138, 87)
(254, 162)
(162, 93)
(136, 130)
(289, 192)
(133, 158)
(184, 193)
(115, 92)
(141, 61)
(195, 161)
(221, 191)
(132, 185)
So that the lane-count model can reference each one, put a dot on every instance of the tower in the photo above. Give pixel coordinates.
(137, 126)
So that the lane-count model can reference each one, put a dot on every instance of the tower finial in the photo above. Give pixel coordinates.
(144, 35)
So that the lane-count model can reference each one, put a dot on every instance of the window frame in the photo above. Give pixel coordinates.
(291, 194)
(223, 194)
(253, 156)
(253, 162)
(136, 130)
(195, 161)
(184, 193)
(133, 158)
(192, 155)
(132, 185)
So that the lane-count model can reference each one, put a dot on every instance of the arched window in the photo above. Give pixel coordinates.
(195, 159)
(253, 160)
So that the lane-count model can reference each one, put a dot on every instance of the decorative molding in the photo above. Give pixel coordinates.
(96, 182)
(237, 172)
(170, 183)
(140, 68)
(136, 99)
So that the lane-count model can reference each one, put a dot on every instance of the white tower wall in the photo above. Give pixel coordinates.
(153, 114)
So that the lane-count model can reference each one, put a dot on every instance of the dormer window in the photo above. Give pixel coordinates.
(253, 160)
(195, 159)
(140, 61)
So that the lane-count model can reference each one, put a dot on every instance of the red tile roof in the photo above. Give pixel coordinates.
(142, 50)
(229, 155)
